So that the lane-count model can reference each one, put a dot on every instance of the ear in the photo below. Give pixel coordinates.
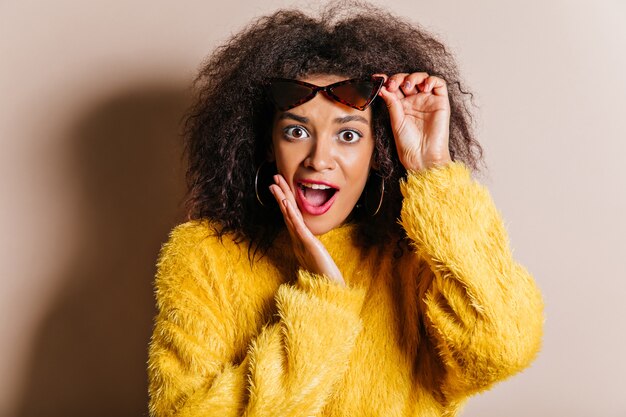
(374, 163)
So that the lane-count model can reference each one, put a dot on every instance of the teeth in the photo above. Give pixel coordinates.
(316, 186)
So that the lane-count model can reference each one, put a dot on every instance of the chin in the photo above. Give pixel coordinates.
(319, 225)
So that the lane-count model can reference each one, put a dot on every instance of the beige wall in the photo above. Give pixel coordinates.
(90, 98)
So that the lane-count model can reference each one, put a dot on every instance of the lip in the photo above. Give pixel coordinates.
(311, 181)
(308, 208)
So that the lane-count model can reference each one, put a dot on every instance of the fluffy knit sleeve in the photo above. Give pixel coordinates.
(289, 369)
(481, 308)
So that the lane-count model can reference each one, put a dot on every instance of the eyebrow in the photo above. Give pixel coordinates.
(351, 118)
(340, 120)
(289, 115)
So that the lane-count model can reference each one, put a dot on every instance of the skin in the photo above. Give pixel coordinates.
(322, 149)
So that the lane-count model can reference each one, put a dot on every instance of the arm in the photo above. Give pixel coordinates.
(289, 369)
(482, 310)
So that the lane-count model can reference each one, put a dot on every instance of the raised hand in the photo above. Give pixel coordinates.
(419, 112)
(310, 252)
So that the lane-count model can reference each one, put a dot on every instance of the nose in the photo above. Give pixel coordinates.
(321, 155)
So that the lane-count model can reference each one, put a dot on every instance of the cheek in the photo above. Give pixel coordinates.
(280, 153)
(357, 164)
(287, 158)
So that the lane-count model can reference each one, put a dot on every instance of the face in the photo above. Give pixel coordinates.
(324, 150)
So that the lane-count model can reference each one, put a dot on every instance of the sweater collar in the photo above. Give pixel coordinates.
(345, 233)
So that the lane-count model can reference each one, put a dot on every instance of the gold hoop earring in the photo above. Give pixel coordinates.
(256, 186)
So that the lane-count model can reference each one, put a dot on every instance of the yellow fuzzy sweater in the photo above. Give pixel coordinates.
(409, 336)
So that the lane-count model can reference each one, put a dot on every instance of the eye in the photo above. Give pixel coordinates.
(349, 136)
(296, 132)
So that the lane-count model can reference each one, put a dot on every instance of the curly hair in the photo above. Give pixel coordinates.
(227, 130)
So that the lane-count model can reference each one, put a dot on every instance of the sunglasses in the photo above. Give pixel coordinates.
(357, 93)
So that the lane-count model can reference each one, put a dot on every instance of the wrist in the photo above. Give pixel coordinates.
(425, 165)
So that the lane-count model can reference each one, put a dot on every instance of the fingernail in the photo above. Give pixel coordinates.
(407, 85)
(285, 202)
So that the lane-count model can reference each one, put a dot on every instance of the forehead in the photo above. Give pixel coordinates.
(322, 79)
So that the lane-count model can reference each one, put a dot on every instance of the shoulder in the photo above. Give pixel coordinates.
(197, 238)
(194, 251)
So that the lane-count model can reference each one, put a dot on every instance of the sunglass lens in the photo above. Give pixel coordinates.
(286, 94)
(358, 94)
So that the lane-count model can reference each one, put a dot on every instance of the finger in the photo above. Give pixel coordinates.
(282, 183)
(289, 215)
(397, 91)
(394, 106)
(279, 196)
(411, 82)
(385, 76)
(284, 187)
(299, 226)
(312, 252)
(437, 85)
(394, 82)
(289, 218)
(280, 199)
(312, 244)
(300, 234)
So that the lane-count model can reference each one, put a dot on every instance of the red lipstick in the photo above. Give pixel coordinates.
(309, 208)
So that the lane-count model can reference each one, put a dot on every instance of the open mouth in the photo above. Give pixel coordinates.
(314, 197)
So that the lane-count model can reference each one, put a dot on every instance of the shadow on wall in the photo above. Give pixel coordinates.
(90, 351)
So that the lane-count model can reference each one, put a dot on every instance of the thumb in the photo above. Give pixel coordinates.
(394, 106)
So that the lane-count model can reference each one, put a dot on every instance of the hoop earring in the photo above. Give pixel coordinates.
(382, 195)
(256, 186)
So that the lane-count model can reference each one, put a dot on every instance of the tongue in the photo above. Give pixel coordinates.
(317, 197)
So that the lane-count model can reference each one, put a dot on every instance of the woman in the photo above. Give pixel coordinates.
(338, 258)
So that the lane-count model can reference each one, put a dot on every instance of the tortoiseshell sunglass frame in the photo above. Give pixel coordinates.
(377, 85)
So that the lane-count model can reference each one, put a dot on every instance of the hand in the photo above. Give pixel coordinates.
(310, 252)
(419, 112)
